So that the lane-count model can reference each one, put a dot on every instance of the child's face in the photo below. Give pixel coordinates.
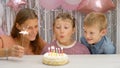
(63, 31)
(31, 26)
(93, 34)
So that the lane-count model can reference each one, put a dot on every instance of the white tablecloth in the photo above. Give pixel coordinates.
(76, 61)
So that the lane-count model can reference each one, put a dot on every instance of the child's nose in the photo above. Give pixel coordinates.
(61, 30)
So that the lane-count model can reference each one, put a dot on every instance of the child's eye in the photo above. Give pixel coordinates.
(66, 27)
(91, 33)
(57, 27)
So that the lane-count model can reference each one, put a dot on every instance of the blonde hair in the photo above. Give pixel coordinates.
(95, 18)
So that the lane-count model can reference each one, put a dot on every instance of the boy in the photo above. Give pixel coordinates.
(95, 28)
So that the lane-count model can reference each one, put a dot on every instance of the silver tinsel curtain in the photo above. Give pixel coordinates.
(46, 19)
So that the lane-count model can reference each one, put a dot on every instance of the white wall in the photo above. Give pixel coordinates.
(118, 26)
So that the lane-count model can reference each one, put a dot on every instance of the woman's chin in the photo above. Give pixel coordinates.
(32, 39)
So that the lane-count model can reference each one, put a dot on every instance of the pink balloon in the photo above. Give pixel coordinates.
(87, 6)
(70, 4)
(50, 4)
(16, 4)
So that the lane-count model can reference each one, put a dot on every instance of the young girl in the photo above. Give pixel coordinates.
(64, 28)
(16, 44)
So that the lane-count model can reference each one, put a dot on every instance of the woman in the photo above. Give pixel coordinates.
(30, 43)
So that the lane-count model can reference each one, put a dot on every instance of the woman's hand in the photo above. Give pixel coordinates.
(16, 51)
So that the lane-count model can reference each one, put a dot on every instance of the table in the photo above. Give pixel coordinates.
(76, 61)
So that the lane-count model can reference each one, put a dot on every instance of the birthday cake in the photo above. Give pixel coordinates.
(55, 58)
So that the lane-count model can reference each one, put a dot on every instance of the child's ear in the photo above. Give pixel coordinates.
(103, 32)
(74, 30)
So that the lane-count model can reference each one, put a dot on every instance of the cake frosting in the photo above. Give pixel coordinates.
(55, 58)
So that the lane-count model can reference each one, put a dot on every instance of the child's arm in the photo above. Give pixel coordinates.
(109, 49)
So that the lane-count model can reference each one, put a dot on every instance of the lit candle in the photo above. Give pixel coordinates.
(62, 50)
(49, 49)
(52, 50)
(59, 51)
(56, 51)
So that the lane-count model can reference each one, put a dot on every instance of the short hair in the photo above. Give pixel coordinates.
(64, 17)
(96, 18)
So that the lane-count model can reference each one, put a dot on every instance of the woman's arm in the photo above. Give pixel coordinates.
(3, 52)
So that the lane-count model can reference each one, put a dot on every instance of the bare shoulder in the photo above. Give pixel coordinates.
(6, 41)
(6, 37)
